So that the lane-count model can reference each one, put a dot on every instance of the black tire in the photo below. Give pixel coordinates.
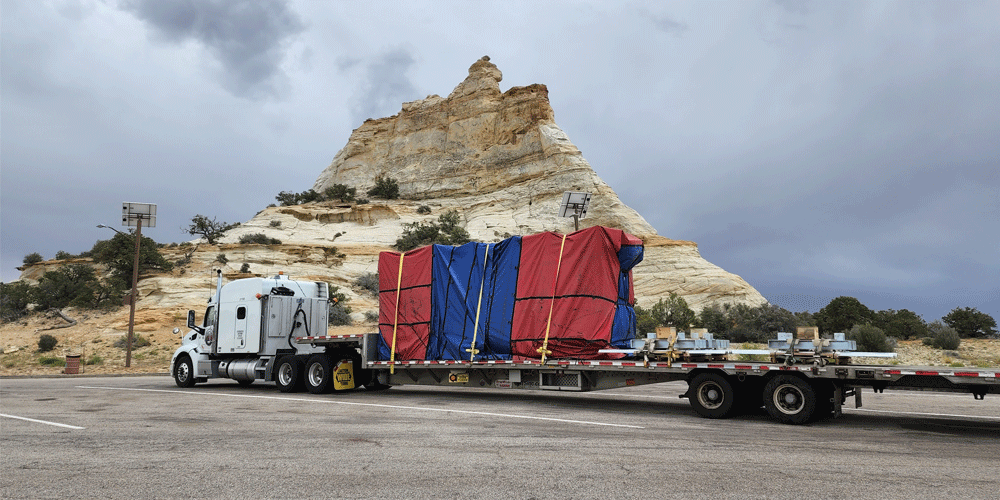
(711, 395)
(790, 399)
(288, 374)
(318, 374)
(245, 383)
(184, 372)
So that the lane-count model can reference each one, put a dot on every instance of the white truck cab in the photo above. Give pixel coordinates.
(248, 324)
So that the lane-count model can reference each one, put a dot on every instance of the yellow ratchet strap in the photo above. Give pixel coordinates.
(544, 350)
(472, 349)
(395, 321)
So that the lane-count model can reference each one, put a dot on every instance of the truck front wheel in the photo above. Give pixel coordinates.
(287, 375)
(790, 399)
(184, 372)
(711, 395)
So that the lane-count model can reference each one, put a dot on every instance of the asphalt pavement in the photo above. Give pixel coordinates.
(142, 437)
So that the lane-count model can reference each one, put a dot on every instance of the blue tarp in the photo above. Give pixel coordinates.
(460, 291)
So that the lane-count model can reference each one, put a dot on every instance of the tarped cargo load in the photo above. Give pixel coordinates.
(571, 294)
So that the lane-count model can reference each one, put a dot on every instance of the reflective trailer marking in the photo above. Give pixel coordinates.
(26, 419)
(922, 414)
(373, 405)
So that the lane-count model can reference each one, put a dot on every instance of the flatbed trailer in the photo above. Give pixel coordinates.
(793, 390)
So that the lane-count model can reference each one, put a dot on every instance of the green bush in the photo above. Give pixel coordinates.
(340, 192)
(287, 198)
(50, 361)
(210, 229)
(444, 232)
(76, 285)
(95, 360)
(33, 258)
(942, 337)
(221, 258)
(47, 342)
(137, 341)
(340, 314)
(14, 300)
(870, 339)
(258, 239)
(118, 254)
(245, 268)
(385, 188)
(275, 223)
(368, 282)
(371, 316)
(423, 209)
(61, 255)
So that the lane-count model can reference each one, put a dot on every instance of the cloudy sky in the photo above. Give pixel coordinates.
(817, 149)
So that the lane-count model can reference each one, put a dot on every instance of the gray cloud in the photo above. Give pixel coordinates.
(667, 24)
(247, 37)
(385, 85)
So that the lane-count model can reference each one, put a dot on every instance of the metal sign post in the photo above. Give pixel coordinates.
(574, 204)
(132, 215)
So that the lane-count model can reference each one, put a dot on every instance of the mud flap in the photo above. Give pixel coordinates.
(343, 375)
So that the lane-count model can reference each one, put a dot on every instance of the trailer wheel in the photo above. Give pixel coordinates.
(790, 399)
(184, 372)
(711, 395)
(319, 374)
(287, 374)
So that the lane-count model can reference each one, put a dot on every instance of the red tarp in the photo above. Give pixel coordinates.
(413, 324)
(583, 299)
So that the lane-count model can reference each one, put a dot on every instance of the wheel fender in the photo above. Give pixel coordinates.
(191, 351)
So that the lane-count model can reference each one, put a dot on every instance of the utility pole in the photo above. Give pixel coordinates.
(132, 215)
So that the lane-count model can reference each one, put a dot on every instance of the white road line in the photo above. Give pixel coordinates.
(922, 414)
(42, 421)
(374, 405)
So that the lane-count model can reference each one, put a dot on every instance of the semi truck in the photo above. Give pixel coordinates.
(440, 327)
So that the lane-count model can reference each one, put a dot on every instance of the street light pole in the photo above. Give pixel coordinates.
(134, 214)
(135, 282)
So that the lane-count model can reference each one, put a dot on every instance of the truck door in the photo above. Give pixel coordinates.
(241, 328)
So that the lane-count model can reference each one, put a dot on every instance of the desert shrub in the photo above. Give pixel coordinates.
(258, 239)
(423, 209)
(62, 255)
(673, 311)
(76, 285)
(14, 300)
(210, 229)
(137, 341)
(368, 282)
(371, 316)
(445, 231)
(287, 198)
(94, 359)
(871, 339)
(50, 361)
(47, 342)
(340, 192)
(118, 254)
(245, 268)
(340, 314)
(32, 258)
(275, 223)
(942, 336)
(221, 258)
(385, 188)
(361, 201)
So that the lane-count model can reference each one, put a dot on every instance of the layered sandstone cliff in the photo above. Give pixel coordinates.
(497, 158)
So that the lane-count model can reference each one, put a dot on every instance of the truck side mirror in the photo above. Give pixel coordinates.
(191, 324)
